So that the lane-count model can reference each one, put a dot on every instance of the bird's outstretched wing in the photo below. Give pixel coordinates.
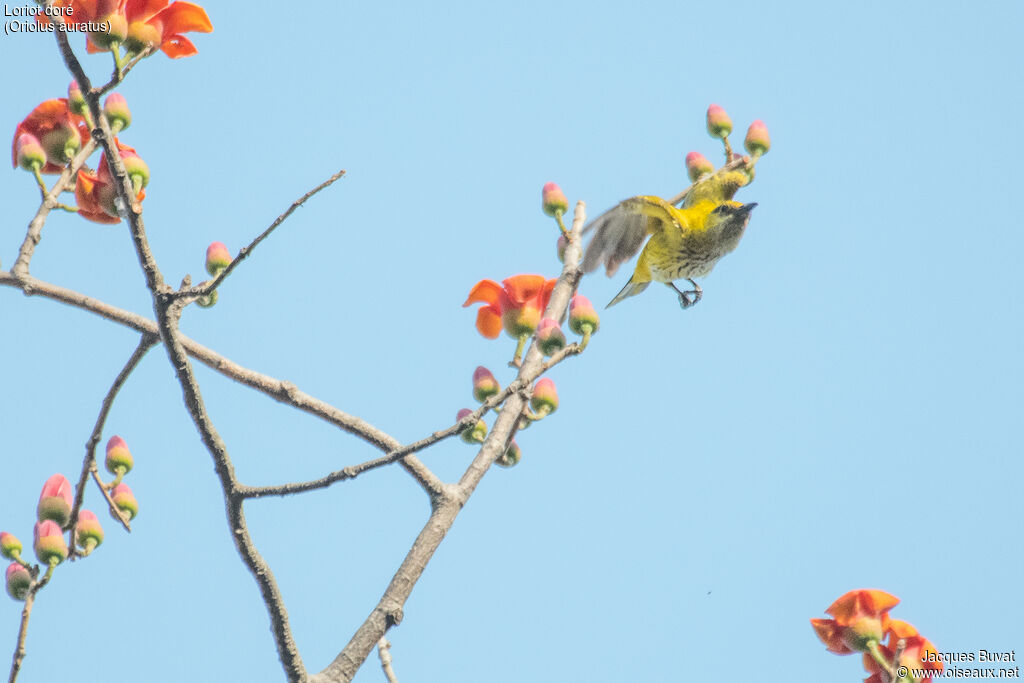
(620, 231)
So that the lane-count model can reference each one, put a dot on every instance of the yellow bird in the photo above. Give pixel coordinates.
(684, 243)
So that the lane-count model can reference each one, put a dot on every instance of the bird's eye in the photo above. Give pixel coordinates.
(723, 208)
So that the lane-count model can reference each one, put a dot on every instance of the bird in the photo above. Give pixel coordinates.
(684, 243)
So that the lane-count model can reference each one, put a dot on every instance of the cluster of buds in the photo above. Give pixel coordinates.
(543, 402)
(757, 143)
(54, 519)
(893, 650)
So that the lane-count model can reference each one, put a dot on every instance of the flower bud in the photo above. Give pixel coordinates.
(545, 397)
(550, 337)
(137, 169)
(18, 581)
(61, 143)
(115, 108)
(217, 258)
(511, 456)
(10, 546)
(719, 123)
(31, 154)
(55, 500)
(757, 141)
(76, 101)
(582, 316)
(475, 434)
(553, 200)
(117, 30)
(125, 501)
(49, 542)
(208, 300)
(118, 456)
(484, 384)
(697, 165)
(563, 242)
(88, 532)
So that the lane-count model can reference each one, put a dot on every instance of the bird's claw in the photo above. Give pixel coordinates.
(689, 298)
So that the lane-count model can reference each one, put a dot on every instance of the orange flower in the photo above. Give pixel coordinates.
(860, 616)
(96, 194)
(914, 654)
(58, 130)
(147, 22)
(516, 304)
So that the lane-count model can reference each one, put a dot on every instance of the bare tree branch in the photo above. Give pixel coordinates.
(168, 313)
(279, 390)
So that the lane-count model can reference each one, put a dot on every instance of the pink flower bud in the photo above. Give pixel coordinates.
(697, 165)
(125, 501)
(118, 456)
(511, 456)
(55, 500)
(115, 108)
(545, 397)
(757, 141)
(719, 123)
(217, 258)
(76, 101)
(474, 434)
(582, 316)
(10, 546)
(88, 532)
(31, 154)
(553, 200)
(484, 384)
(18, 581)
(49, 542)
(560, 247)
(550, 337)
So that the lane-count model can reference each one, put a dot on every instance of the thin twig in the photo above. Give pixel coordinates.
(118, 76)
(19, 647)
(352, 471)
(26, 612)
(389, 609)
(146, 342)
(383, 649)
(207, 288)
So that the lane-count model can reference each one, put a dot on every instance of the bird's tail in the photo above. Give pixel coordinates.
(632, 288)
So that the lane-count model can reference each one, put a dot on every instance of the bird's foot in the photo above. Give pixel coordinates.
(687, 299)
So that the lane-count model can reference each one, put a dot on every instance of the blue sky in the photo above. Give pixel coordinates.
(842, 410)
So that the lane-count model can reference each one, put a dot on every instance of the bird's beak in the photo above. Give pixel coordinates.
(747, 208)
